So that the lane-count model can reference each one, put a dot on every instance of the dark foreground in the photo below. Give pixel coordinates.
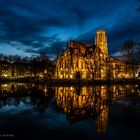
(101, 112)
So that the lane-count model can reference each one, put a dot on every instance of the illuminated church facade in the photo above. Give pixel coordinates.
(82, 61)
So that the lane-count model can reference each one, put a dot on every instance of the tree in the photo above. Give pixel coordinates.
(78, 76)
(95, 62)
(131, 53)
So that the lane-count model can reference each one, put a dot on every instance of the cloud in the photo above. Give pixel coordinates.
(51, 49)
(46, 25)
(138, 9)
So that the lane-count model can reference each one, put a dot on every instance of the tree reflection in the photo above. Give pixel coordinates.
(37, 95)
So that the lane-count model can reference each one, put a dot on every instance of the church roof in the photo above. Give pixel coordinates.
(77, 43)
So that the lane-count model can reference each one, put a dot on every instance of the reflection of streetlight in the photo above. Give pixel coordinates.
(5, 85)
(117, 93)
(136, 74)
(41, 75)
(45, 90)
(5, 75)
(45, 71)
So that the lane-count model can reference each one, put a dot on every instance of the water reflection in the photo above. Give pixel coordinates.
(83, 102)
(16, 93)
(77, 103)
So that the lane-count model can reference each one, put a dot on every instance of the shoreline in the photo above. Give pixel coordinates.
(70, 81)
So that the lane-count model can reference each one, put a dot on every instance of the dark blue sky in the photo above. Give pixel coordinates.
(31, 27)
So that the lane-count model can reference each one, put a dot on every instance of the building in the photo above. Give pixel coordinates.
(82, 61)
(20, 70)
(5, 69)
(122, 69)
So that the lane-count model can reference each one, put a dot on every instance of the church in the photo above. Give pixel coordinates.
(83, 61)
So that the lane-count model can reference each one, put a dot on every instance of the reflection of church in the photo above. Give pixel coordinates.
(91, 61)
(83, 102)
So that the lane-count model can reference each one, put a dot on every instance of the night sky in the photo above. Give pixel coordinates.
(32, 27)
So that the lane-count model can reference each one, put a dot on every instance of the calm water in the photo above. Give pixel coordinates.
(42, 112)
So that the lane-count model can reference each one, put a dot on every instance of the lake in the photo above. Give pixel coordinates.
(38, 111)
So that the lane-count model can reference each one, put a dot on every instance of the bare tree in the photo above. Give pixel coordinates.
(131, 53)
(95, 62)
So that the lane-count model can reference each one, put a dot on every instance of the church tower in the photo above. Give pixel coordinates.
(101, 42)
